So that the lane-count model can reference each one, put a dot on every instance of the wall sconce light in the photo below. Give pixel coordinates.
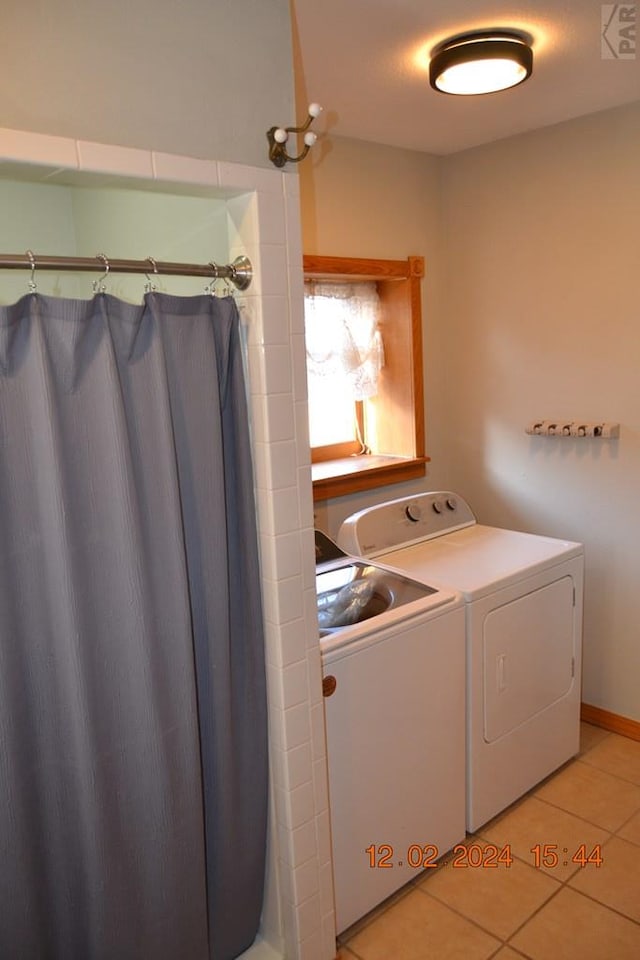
(278, 136)
(481, 62)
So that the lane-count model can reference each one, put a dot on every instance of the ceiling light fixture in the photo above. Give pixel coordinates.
(485, 62)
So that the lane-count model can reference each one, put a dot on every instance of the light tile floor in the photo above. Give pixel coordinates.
(552, 911)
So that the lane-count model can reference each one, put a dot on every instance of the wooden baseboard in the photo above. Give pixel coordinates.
(610, 721)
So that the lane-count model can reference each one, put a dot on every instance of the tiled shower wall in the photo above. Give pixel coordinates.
(277, 376)
(263, 222)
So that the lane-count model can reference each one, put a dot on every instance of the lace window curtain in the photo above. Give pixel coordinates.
(343, 338)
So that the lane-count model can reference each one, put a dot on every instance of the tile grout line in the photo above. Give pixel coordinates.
(616, 776)
(591, 823)
(421, 883)
(476, 923)
(605, 906)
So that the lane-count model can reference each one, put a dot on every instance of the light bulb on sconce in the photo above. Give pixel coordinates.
(278, 136)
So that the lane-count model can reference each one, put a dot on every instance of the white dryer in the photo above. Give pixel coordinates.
(523, 599)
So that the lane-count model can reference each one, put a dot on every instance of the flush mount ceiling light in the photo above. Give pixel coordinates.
(484, 62)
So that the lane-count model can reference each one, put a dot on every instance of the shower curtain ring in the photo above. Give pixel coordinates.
(210, 287)
(99, 285)
(149, 286)
(33, 286)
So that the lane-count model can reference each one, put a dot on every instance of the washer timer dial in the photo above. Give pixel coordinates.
(413, 512)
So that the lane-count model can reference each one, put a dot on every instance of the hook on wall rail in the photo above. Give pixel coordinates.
(278, 136)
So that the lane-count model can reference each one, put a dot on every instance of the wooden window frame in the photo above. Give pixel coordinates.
(399, 434)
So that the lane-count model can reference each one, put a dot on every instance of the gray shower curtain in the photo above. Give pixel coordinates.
(133, 764)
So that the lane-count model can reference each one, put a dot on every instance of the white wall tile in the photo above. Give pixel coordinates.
(37, 149)
(256, 367)
(294, 231)
(298, 766)
(297, 726)
(239, 176)
(169, 166)
(123, 161)
(305, 493)
(291, 643)
(283, 464)
(280, 556)
(312, 949)
(320, 785)
(277, 369)
(311, 616)
(301, 805)
(328, 936)
(296, 321)
(309, 917)
(242, 225)
(278, 762)
(278, 509)
(302, 433)
(326, 889)
(275, 320)
(272, 268)
(323, 836)
(286, 510)
(314, 674)
(299, 366)
(281, 603)
(308, 550)
(296, 288)
(288, 554)
(259, 423)
(294, 684)
(289, 599)
(275, 464)
(306, 882)
(276, 728)
(280, 417)
(271, 218)
(291, 183)
(318, 739)
(304, 843)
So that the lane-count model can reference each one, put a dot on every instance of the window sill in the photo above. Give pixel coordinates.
(337, 478)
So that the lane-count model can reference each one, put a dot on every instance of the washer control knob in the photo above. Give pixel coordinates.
(437, 506)
(414, 512)
(452, 503)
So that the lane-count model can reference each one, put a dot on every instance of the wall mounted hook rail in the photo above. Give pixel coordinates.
(278, 136)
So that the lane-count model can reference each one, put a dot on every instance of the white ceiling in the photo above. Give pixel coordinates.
(366, 62)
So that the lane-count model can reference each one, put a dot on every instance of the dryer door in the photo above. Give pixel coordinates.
(528, 656)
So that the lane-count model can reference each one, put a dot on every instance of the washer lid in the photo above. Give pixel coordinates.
(357, 600)
(479, 559)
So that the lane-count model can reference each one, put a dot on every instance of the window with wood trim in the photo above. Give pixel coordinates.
(382, 437)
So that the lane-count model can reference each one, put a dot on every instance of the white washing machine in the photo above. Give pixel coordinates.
(523, 599)
(393, 682)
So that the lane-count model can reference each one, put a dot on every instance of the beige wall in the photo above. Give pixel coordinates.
(196, 78)
(540, 301)
(366, 200)
(531, 311)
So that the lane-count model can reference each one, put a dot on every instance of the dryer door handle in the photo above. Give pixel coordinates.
(501, 672)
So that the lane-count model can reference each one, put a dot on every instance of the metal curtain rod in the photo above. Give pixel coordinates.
(240, 272)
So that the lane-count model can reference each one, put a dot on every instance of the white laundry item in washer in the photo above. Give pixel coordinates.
(523, 599)
(393, 679)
